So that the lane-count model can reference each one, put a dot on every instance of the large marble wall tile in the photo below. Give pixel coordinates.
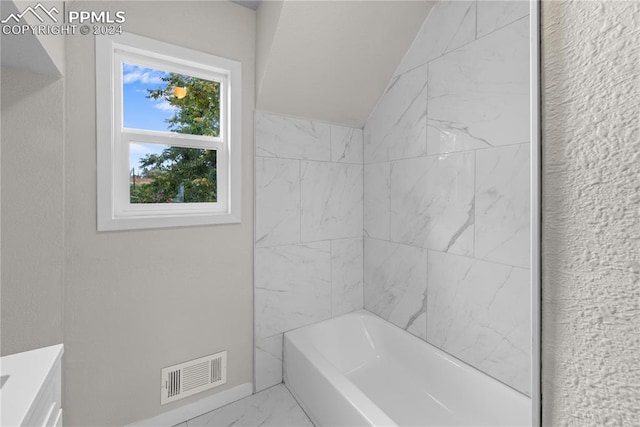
(280, 136)
(397, 127)
(268, 362)
(503, 205)
(277, 201)
(331, 205)
(395, 278)
(409, 201)
(493, 15)
(451, 203)
(450, 24)
(377, 200)
(479, 93)
(292, 287)
(346, 276)
(432, 202)
(346, 144)
(480, 312)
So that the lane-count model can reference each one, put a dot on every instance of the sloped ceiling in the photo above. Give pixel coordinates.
(331, 60)
(43, 54)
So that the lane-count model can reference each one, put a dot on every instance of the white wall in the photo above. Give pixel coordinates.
(308, 230)
(591, 213)
(137, 301)
(267, 19)
(330, 60)
(446, 189)
(32, 210)
(39, 53)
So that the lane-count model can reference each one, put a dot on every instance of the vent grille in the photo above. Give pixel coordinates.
(188, 378)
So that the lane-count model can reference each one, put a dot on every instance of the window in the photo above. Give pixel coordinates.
(168, 123)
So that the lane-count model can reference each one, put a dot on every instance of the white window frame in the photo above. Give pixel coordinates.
(115, 212)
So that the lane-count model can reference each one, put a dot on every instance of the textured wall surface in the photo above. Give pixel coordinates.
(32, 210)
(446, 190)
(591, 211)
(308, 256)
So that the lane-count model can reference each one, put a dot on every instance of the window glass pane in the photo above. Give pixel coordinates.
(169, 174)
(162, 101)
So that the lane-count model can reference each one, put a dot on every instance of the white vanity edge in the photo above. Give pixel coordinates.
(28, 372)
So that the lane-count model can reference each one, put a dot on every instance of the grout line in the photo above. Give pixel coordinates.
(426, 292)
(393, 242)
(297, 403)
(304, 119)
(476, 38)
(446, 153)
(309, 160)
(475, 200)
(504, 26)
(426, 115)
(364, 186)
(300, 198)
(331, 279)
(389, 198)
(309, 242)
(476, 29)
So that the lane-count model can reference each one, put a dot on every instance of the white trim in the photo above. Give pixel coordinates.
(534, 38)
(197, 408)
(113, 208)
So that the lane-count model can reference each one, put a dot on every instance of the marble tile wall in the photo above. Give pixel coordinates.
(446, 189)
(308, 238)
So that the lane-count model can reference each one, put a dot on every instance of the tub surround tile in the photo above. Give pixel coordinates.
(346, 144)
(451, 208)
(397, 127)
(346, 276)
(268, 362)
(479, 93)
(480, 312)
(292, 287)
(493, 15)
(503, 205)
(450, 24)
(377, 194)
(273, 407)
(446, 213)
(418, 322)
(432, 202)
(280, 136)
(331, 205)
(277, 201)
(395, 278)
(409, 201)
(445, 136)
(309, 191)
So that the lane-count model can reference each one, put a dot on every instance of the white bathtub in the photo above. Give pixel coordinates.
(359, 370)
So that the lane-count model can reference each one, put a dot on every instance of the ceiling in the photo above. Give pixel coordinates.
(331, 60)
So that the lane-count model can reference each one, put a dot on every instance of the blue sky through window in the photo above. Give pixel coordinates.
(140, 112)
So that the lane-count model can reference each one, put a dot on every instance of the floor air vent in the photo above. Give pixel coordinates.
(186, 379)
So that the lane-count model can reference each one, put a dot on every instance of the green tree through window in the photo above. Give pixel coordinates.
(178, 174)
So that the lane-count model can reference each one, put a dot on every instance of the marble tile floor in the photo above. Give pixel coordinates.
(273, 407)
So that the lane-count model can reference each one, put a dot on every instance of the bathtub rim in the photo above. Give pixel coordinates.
(338, 381)
(302, 339)
(439, 352)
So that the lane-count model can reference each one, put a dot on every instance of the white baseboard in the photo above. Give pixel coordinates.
(192, 410)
